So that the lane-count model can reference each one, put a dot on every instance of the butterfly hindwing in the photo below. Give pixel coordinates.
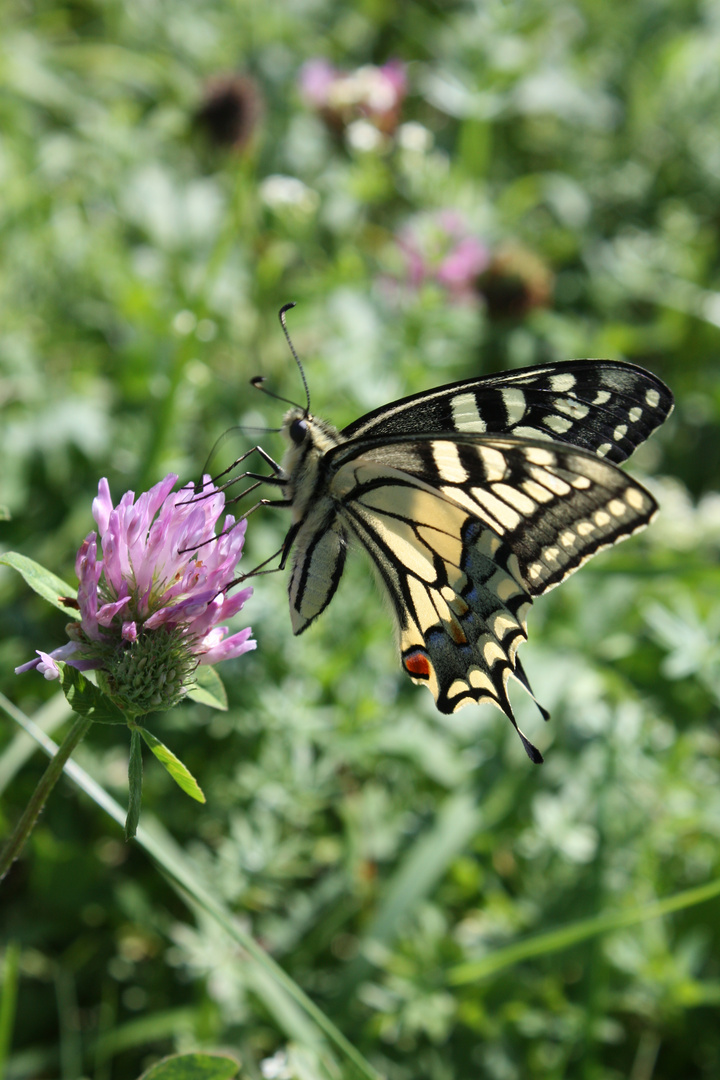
(464, 534)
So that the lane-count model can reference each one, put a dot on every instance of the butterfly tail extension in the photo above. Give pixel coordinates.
(522, 678)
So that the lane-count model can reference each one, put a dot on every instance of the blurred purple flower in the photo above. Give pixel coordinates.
(440, 247)
(369, 93)
(150, 606)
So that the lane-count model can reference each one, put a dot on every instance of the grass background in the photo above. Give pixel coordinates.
(385, 856)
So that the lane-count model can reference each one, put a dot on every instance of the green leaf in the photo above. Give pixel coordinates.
(193, 1067)
(179, 772)
(209, 688)
(5, 514)
(48, 585)
(135, 776)
(86, 700)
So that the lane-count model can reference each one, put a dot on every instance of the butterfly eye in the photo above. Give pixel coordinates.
(298, 431)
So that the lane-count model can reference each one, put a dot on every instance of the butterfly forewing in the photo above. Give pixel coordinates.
(603, 406)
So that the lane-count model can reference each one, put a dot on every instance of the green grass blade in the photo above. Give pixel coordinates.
(566, 936)
(8, 1001)
(48, 717)
(295, 1013)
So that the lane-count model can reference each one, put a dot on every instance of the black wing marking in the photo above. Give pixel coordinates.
(319, 552)
(604, 406)
(464, 533)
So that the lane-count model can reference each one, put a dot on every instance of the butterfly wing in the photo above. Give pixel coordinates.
(603, 406)
(464, 533)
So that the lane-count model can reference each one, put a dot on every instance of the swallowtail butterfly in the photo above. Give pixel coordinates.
(471, 500)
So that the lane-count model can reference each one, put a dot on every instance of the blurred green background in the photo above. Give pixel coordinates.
(166, 183)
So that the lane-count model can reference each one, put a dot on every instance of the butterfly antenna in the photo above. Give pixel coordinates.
(281, 316)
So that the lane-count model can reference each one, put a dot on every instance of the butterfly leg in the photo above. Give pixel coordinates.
(238, 461)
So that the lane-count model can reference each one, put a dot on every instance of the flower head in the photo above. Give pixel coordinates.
(370, 93)
(515, 282)
(152, 595)
(441, 247)
(230, 110)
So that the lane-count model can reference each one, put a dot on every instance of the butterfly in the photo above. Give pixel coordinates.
(471, 500)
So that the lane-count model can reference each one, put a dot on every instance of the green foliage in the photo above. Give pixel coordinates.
(42, 581)
(193, 1067)
(451, 911)
(179, 772)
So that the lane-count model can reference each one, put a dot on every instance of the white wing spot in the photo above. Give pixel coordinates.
(584, 528)
(514, 567)
(557, 423)
(536, 456)
(574, 409)
(551, 553)
(549, 480)
(500, 623)
(457, 688)
(480, 680)
(514, 401)
(505, 588)
(447, 460)
(602, 397)
(494, 463)
(531, 432)
(635, 414)
(535, 571)
(562, 383)
(504, 514)
(620, 432)
(515, 498)
(492, 652)
(603, 449)
(617, 507)
(567, 539)
(653, 398)
(602, 519)
(466, 415)
(537, 491)
(581, 483)
(635, 498)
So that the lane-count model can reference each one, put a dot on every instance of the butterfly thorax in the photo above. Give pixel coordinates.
(309, 439)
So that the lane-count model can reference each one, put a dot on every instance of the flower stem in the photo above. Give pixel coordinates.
(40, 796)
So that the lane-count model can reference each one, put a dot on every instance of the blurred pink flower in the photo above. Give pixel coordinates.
(150, 606)
(369, 93)
(440, 247)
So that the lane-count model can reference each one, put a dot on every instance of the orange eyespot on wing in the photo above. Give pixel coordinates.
(417, 665)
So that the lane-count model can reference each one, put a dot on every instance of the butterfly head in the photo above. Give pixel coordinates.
(296, 427)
